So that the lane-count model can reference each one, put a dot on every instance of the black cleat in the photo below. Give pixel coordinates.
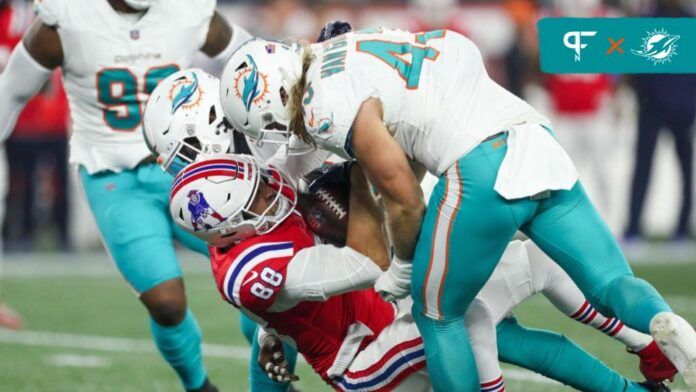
(655, 386)
(206, 387)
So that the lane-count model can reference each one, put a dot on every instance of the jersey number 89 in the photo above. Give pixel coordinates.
(117, 91)
(269, 276)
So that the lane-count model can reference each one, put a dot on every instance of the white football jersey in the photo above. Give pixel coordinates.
(112, 62)
(437, 98)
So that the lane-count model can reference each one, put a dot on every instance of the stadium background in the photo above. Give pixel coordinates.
(83, 329)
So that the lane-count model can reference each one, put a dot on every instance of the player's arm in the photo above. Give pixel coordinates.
(387, 167)
(27, 71)
(223, 39)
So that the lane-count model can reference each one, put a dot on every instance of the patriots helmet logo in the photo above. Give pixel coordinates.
(658, 46)
(185, 93)
(250, 85)
(201, 212)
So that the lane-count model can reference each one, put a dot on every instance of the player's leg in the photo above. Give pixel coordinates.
(559, 358)
(649, 125)
(480, 325)
(394, 361)
(568, 228)
(464, 233)
(683, 140)
(549, 279)
(134, 224)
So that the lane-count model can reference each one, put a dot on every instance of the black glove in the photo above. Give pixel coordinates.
(337, 173)
(333, 29)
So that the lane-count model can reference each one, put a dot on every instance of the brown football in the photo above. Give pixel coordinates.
(326, 211)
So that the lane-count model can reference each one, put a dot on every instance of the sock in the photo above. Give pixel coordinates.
(180, 345)
(556, 357)
(613, 327)
(495, 385)
(635, 302)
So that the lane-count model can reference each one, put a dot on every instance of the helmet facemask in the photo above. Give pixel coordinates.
(188, 147)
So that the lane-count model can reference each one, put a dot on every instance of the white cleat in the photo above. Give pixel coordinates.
(677, 340)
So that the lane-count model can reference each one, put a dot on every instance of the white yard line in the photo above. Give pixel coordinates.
(74, 360)
(112, 344)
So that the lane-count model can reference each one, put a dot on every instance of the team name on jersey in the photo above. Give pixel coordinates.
(333, 60)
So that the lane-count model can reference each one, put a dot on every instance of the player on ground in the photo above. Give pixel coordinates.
(385, 97)
(268, 264)
(112, 54)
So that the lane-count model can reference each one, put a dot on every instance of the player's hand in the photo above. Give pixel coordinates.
(272, 360)
(395, 283)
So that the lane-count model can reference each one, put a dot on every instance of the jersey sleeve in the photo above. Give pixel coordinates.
(49, 12)
(256, 275)
(330, 107)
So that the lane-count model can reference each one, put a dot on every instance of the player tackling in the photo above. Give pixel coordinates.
(112, 54)
(386, 97)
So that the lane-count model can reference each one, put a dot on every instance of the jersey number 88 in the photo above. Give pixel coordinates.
(269, 276)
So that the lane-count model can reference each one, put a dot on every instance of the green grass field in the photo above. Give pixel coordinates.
(86, 331)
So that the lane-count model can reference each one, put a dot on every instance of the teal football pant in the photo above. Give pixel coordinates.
(559, 358)
(132, 213)
(466, 228)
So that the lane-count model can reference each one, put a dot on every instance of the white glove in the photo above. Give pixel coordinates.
(395, 283)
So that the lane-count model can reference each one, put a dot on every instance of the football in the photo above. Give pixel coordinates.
(324, 206)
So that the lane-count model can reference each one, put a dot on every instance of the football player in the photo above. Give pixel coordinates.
(387, 97)
(112, 54)
(267, 263)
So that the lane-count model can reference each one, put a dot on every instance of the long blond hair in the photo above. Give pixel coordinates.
(297, 124)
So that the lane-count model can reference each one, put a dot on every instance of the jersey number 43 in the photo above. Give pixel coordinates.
(390, 53)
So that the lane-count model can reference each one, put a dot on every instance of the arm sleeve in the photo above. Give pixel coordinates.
(239, 37)
(322, 271)
(22, 79)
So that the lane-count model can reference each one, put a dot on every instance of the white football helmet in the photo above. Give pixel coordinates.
(212, 198)
(183, 118)
(255, 91)
(140, 5)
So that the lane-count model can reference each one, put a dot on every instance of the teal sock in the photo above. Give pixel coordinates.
(451, 363)
(180, 345)
(635, 302)
(258, 380)
(248, 327)
(556, 357)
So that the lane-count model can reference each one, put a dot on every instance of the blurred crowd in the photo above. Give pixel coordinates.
(631, 136)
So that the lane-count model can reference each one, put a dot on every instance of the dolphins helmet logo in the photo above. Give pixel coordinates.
(250, 85)
(185, 93)
(658, 46)
(201, 211)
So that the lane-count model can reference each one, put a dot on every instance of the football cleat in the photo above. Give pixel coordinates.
(677, 340)
(654, 365)
(206, 387)
(654, 386)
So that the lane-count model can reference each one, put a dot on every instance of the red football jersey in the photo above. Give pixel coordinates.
(578, 94)
(249, 275)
